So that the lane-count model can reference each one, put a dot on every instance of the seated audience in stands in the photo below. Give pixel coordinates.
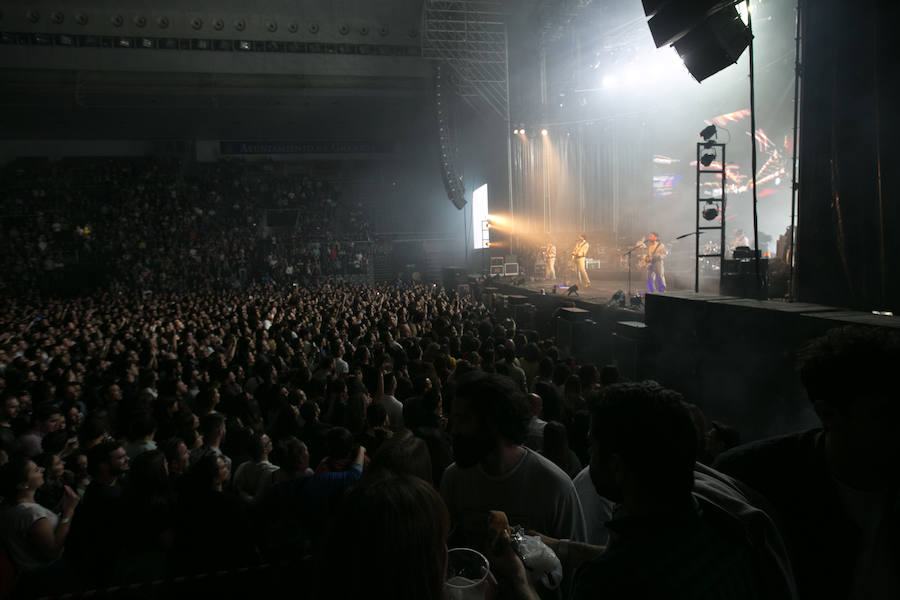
(835, 488)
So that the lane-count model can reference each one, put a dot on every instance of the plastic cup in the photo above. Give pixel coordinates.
(466, 577)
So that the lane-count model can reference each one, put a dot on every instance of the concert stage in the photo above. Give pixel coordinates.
(734, 357)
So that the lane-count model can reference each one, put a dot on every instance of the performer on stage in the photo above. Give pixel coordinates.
(578, 255)
(656, 253)
(550, 261)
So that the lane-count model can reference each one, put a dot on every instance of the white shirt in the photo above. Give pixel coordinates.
(15, 523)
(597, 509)
(394, 410)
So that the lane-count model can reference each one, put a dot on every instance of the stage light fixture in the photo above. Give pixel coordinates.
(708, 132)
(522, 131)
(544, 131)
(707, 158)
(573, 291)
(710, 211)
(515, 131)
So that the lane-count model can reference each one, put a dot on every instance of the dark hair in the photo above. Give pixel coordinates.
(531, 352)
(375, 415)
(99, 454)
(308, 411)
(92, 428)
(498, 402)
(556, 446)
(55, 441)
(848, 363)
(142, 425)
(210, 425)
(650, 428)
(400, 526)
(12, 474)
(291, 452)
(339, 442)
(45, 461)
(205, 471)
(256, 446)
(404, 453)
(389, 380)
(148, 479)
(169, 448)
(45, 410)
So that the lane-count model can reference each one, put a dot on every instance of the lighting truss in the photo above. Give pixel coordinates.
(470, 37)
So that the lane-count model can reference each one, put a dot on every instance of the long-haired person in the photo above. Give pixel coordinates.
(33, 536)
(389, 540)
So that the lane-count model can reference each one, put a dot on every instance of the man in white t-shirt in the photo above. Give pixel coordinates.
(392, 406)
(493, 471)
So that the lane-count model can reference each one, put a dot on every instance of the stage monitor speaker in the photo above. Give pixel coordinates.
(573, 314)
(514, 299)
(739, 279)
(575, 338)
(524, 315)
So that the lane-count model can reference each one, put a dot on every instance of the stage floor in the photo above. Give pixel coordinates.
(601, 290)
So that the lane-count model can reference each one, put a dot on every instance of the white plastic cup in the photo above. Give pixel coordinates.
(466, 577)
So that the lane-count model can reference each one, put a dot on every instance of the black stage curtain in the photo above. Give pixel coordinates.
(847, 250)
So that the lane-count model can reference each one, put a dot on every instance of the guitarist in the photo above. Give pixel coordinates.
(578, 255)
(656, 253)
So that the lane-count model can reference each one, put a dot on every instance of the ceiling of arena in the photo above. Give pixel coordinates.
(68, 62)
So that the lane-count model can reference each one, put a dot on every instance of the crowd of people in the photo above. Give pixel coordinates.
(208, 427)
(169, 225)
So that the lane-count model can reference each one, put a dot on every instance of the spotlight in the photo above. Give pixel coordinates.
(710, 211)
(515, 131)
(573, 291)
(544, 131)
(522, 131)
(707, 158)
(609, 81)
(242, 45)
(708, 132)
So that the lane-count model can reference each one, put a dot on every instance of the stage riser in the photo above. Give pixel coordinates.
(735, 357)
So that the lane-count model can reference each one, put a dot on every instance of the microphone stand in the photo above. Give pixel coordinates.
(628, 253)
(696, 256)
